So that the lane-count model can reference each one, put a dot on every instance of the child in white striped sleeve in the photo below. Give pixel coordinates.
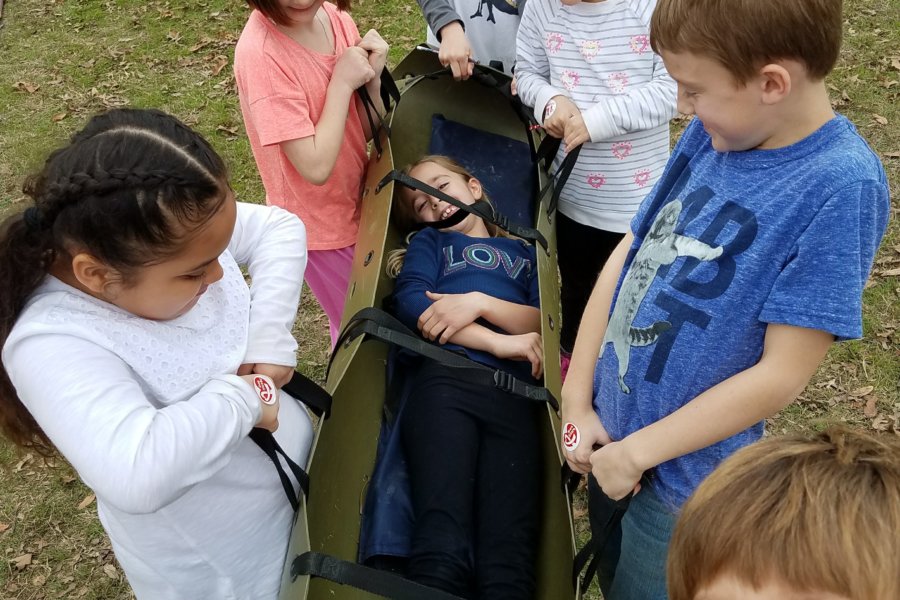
(587, 68)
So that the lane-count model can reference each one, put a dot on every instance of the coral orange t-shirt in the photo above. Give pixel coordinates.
(282, 87)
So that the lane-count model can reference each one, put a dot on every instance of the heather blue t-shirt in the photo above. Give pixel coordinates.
(449, 262)
(726, 243)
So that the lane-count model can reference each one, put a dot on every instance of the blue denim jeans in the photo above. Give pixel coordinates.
(632, 563)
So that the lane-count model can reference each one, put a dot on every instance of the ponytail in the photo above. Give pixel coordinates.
(25, 255)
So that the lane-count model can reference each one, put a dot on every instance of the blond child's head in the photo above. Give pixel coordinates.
(413, 208)
(794, 517)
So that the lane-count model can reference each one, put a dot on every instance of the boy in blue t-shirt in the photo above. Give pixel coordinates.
(744, 264)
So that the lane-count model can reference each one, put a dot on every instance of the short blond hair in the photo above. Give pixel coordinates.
(745, 35)
(816, 513)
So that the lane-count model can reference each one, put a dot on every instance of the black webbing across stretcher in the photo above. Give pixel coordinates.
(379, 324)
(480, 209)
(318, 401)
(361, 577)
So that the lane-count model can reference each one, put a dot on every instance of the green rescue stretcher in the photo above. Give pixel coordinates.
(321, 563)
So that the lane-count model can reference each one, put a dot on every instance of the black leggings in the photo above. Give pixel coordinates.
(582, 252)
(474, 462)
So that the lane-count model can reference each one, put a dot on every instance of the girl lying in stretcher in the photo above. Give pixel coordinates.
(472, 452)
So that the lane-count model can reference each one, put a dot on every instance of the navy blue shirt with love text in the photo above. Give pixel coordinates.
(454, 263)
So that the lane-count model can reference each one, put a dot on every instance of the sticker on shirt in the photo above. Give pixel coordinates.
(265, 389)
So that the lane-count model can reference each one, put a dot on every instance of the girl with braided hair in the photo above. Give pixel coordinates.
(132, 344)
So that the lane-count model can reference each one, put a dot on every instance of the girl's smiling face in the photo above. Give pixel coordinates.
(428, 209)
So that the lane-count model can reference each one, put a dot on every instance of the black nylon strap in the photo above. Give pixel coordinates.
(589, 554)
(480, 209)
(266, 441)
(388, 91)
(547, 152)
(309, 393)
(374, 581)
(379, 324)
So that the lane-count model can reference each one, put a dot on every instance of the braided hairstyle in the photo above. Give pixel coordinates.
(129, 188)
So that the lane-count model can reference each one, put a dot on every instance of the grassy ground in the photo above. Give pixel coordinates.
(64, 60)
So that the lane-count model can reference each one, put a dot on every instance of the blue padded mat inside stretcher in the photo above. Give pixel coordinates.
(502, 164)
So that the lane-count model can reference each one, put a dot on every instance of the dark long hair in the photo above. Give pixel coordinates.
(127, 189)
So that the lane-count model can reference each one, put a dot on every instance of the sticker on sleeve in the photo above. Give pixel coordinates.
(265, 389)
(571, 437)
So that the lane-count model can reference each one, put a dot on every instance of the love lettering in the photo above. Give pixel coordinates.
(484, 256)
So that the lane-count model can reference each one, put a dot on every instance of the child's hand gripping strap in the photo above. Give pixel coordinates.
(388, 91)
(480, 209)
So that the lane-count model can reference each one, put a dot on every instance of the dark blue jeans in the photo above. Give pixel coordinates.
(474, 463)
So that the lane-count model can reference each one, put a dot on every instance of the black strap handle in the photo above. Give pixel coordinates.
(309, 393)
(266, 441)
(304, 390)
(547, 152)
(374, 581)
(388, 92)
(480, 209)
(380, 325)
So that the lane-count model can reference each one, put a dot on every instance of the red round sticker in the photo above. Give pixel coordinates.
(571, 437)
(264, 389)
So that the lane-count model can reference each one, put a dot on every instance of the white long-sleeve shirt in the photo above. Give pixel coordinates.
(153, 418)
(599, 56)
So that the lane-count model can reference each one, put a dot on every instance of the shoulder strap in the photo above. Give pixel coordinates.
(480, 209)
(374, 581)
(379, 324)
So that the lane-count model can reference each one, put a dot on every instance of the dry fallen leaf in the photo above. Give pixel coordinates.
(24, 86)
(221, 63)
(4, 527)
(871, 408)
(59, 117)
(110, 571)
(86, 502)
(20, 562)
(863, 391)
(879, 119)
(891, 273)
